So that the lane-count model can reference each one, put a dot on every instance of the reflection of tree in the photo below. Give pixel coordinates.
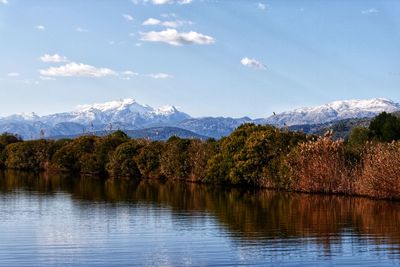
(248, 215)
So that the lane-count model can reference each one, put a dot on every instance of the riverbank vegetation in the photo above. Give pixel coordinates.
(368, 163)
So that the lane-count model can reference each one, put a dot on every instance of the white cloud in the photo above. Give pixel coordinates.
(170, 24)
(53, 58)
(13, 74)
(162, 2)
(128, 74)
(80, 29)
(151, 22)
(261, 6)
(127, 17)
(184, 2)
(77, 70)
(159, 75)
(369, 11)
(40, 27)
(252, 63)
(3, 2)
(173, 37)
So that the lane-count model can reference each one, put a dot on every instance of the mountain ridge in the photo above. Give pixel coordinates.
(128, 114)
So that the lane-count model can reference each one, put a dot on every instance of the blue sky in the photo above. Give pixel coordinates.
(208, 57)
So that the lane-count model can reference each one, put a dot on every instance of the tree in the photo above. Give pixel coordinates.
(174, 159)
(68, 157)
(385, 127)
(251, 155)
(28, 155)
(357, 141)
(199, 153)
(7, 138)
(148, 159)
(122, 163)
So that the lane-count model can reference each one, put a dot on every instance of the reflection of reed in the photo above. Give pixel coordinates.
(261, 215)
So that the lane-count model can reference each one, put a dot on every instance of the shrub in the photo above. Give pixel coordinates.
(380, 176)
(122, 163)
(148, 159)
(174, 161)
(5, 140)
(68, 157)
(199, 153)
(29, 155)
(320, 166)
(252, 156)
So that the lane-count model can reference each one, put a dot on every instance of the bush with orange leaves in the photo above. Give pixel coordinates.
(380, 177)
(320, 166)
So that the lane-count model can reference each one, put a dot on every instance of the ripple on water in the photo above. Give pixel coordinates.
(96, 223)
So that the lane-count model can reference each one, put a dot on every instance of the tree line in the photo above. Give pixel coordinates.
(367, 163)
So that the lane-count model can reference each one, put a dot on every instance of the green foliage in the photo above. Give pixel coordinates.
(385, 127)
(119, 135)
(68, 157)
(356, 143)
(122, 162)
(104, 147)
(148, 159)
(29, 155)
(252, 155)
(199, 154)
(7, 138)
(87, 154)
(174, 160)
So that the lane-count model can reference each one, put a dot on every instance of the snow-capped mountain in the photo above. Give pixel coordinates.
(122, 114)
(127, 114)
(337, 110)
(126, 111)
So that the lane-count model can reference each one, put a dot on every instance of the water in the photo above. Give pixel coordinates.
(64, 221)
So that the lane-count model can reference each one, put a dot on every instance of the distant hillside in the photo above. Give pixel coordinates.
(154, 133)
(341, 128)
(164, 133)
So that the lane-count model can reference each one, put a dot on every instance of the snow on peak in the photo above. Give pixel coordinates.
(112, 105)
(336, 110)
(166, 110)
(378, 104)
(127, 111)
(24, 116)
(28, 115)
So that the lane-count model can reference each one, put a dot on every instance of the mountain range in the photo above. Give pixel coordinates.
(145, 121)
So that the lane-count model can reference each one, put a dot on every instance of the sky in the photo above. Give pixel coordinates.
(207, 57)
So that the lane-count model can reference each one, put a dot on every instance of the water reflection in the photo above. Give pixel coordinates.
(279, 224)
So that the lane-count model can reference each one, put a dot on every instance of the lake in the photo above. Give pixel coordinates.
(53, 220)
